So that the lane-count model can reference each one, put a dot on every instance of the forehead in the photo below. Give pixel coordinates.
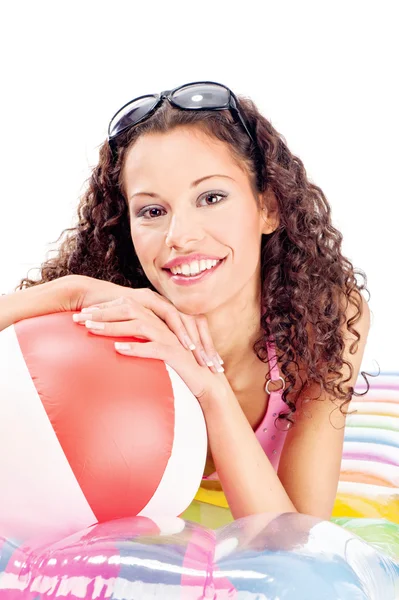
(185, 152)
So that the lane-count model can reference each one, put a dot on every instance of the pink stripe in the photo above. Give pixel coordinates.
(31, 569)
(379, 385)
(200, 556)
(372, 457)
(383, 385)
(33, 562)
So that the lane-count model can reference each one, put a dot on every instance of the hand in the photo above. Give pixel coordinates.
(125, 317)
(66, 293)
(79, 291)
(139, 304)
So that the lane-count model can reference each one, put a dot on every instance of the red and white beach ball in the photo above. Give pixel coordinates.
(88, 435)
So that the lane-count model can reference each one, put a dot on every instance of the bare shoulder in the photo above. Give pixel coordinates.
(311, 458)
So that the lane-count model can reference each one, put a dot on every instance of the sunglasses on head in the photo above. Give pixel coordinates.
(199, 95)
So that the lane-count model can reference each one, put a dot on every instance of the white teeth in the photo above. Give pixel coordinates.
(195, 267)
(210, 263)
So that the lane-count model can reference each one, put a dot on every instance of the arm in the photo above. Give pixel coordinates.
(38, 300)
(67, 293)
(249, 481)
(310, 463)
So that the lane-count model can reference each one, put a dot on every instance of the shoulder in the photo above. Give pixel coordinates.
(311, 458)
(354, 329)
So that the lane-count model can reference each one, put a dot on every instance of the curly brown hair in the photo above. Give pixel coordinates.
(307, 284)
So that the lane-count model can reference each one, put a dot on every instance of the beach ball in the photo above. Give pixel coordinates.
(89, 435)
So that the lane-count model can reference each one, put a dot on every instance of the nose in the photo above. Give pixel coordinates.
(182, 231)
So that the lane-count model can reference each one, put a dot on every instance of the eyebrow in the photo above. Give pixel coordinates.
(192, 185)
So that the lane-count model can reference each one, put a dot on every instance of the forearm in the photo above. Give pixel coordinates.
(249, 481)
(34, 301)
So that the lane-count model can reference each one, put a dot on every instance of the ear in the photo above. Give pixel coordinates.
(270, 218)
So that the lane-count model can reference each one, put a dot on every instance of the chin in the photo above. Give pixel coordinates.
(191, 307)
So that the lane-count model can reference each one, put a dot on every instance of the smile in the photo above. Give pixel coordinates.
(182, 279)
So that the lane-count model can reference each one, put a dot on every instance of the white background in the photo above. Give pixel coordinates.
(324, 73)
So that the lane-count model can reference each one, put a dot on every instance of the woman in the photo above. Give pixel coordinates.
(201, 233)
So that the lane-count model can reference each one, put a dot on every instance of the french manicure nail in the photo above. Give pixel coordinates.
(217, 364)
(95, 325)
(189, 343)
(122, 346)
(206, 359)
(78, 318)
(220, 359)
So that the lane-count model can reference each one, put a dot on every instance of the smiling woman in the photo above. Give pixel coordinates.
(197, 197)
(181, 223)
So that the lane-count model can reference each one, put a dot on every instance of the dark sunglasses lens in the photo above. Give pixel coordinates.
(202, 95)
(131, 114)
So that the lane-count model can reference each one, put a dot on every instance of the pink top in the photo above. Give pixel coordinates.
(270, 438)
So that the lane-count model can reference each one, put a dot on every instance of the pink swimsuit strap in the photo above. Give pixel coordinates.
(270, 437)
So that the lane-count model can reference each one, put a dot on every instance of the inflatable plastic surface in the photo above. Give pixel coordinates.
(264, 557)
(84, 450)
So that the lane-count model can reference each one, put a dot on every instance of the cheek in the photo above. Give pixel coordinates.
(145, 245)
(242, 231)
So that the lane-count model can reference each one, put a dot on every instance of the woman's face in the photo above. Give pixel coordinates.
(187, 195)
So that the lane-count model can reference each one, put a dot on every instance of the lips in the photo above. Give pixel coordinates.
(181, 279)
(199, 272)
(189, 258)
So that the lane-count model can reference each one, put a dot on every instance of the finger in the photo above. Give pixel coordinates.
(198, 351)
(207, 341)
(142, 349)
(136, 328)
(146, 298)
(102, 305)
(204, 351)
(169, 314)
(113, 312)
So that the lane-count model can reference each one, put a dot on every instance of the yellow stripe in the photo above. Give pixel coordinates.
(215, 497)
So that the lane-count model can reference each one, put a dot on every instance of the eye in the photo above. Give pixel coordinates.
(151, 209)
(213, 195)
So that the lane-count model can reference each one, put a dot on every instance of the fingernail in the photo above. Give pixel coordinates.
(88, 309)
(189, 344)
(206, 359)
(220, 359)
(95, 325)
(217, 364)
(122, 346)
(78, 318)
